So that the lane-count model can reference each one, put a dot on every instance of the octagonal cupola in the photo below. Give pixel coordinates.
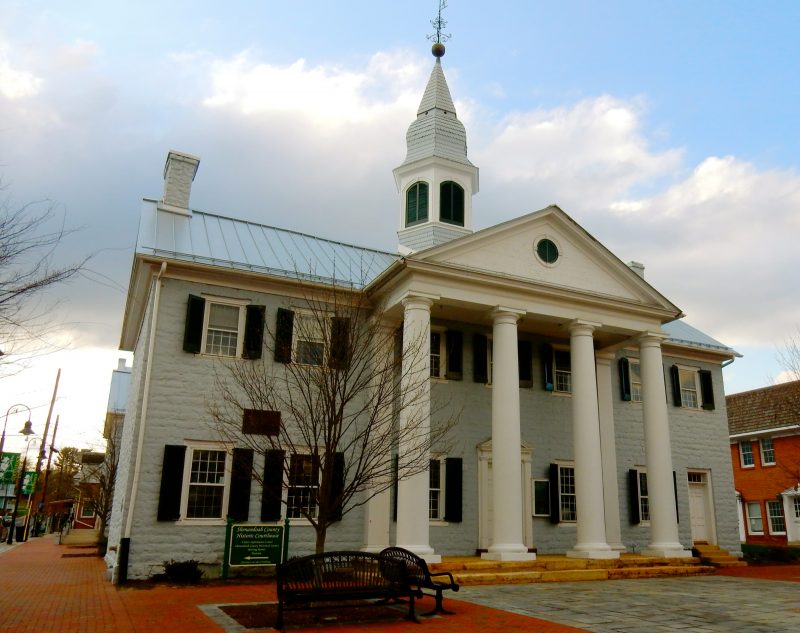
(436, 181)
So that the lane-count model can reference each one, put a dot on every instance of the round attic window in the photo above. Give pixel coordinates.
(547, 251)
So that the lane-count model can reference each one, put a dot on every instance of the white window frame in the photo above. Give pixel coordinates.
(763, 451)
(564, 375)
(442, 353)
(439, 518)
(644, 499)
(771, 515)
(750, 517)
(84, 514)
(742, 445)
(685, 392)
(301, 520)
(191, 448)
(796, 502)
(570, 495)
(225, 301)
(635, 377)
(299, 332)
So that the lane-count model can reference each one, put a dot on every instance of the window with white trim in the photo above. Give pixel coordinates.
(767, 451)
(206, 482)
(223, 327)
(438, 352)
(303, 484)
(777, 524)
(796, 501)
(754, 523)
(562, 369)
(567, 498)
(690, 388)
(636, 380)
(746, 454)
(87, 510)
(644, 498)
(309, 344)
(436, 490)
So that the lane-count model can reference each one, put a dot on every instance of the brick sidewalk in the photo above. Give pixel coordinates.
(50, 588)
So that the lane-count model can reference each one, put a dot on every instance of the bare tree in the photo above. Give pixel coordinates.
(97, 483)
(27, 267)
(335, 387)
(789, 357)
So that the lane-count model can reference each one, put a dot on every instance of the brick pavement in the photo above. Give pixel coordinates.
(50, 588)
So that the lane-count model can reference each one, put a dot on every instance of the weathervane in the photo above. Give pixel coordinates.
(438, 46)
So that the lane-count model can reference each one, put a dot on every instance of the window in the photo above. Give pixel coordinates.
(767, 451)
(223, 327)
(692, 388)
(638, 497)
(541, 497)
(309, 340)
(566, 493)
(746, 454)
(446, 354)
(563, 371)
(547, 251)
(417, 204)
(301, 497)
(796, 501)
(644, 498)
(437, 355)
(87, 510)
(775, 513)
(636, 381)
(754, 524)
(435, 491)
(451, 203)
(206, 485)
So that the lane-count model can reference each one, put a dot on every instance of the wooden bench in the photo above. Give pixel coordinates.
(318, 580)
(420, 576)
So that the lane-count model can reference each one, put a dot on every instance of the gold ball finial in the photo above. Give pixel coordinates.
(437, 50)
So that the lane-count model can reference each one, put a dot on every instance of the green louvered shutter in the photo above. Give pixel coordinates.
(254, 331)
(480, 369)
(272, 486)
(706, 389)
(625, 379)
(193, 327)
(454, 344)
(524, 360)
(675, 377)
(241, 478)
(169, 496)
(452, 489)
(283, 336)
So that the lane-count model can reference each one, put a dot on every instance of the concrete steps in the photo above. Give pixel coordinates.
(716, 556)
(554, 568)
(79, 538)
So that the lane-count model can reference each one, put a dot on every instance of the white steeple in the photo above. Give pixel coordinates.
(436, 181)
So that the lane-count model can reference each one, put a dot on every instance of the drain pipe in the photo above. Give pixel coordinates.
(125, 541)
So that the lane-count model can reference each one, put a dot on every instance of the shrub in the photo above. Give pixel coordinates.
(770, 553)
(183, 571)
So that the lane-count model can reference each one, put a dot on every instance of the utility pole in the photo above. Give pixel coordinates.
(47, 471)
(42, 448)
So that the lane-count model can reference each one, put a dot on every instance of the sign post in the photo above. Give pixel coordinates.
(252, 544)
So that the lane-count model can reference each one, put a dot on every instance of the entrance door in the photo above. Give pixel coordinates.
(485, 495)
(791, 509)
(700, 508)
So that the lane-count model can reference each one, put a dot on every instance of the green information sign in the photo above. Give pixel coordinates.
(255, 544)
(8, 466)
(29, 482)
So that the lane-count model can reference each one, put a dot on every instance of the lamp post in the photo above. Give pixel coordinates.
(3, 443)
(26, 430)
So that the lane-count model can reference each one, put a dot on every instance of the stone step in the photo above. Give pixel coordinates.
(716, 556)
(506, 577)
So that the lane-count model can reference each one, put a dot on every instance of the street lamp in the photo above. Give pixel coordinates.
(26, 430)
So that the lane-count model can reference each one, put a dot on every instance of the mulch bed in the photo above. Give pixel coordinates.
(264, 615)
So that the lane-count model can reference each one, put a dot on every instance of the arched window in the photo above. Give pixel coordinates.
(417, 203)
(451, 203)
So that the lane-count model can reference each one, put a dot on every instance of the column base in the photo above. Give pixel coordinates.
(604, 553)
(619, 547)
(667, 550)
(423, 551)
(509, 554)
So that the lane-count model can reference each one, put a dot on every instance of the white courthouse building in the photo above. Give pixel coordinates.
(593, 417)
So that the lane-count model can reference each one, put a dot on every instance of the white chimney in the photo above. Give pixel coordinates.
(179, 172)
(637, 268)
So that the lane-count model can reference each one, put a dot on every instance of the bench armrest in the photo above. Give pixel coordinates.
(444, 573)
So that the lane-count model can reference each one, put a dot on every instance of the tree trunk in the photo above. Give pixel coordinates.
(322, 530)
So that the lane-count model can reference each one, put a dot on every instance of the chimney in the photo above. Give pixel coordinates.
(637, 268)
(121, 366)
(179, 172)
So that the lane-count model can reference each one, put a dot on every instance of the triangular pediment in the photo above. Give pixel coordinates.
(582, 263)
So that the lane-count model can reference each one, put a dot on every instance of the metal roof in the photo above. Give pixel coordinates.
(681, 333)
(216, 240)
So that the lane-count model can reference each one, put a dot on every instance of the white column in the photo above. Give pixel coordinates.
(664, 540)
(586, 439)
(507, 539)
(414, 429)
(608, 445)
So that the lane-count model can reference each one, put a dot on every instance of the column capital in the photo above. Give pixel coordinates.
(652, 338)
(503, 313)
(579, 326)
(418, 300)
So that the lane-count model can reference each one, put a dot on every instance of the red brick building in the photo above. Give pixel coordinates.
(764, 427)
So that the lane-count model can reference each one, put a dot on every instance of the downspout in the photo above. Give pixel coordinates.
(125, 542)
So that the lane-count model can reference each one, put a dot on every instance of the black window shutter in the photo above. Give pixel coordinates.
(524, 360)
(283, 336)
(241, 476)
(625, 379)
(452, 489)
(676, 385)
(339, 355)
(675, 488)
(253, 331)
(338, 487)
(193, 328)
(555, 501)
(634, 509)
(169, 497)
(396, 474)
(706, 389)
(547, 368)
(455, 356)
(273, 486)
(480, 370)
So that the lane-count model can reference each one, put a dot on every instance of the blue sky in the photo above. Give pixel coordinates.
(668, 130)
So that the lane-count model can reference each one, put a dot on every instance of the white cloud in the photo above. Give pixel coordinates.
(15, 83)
